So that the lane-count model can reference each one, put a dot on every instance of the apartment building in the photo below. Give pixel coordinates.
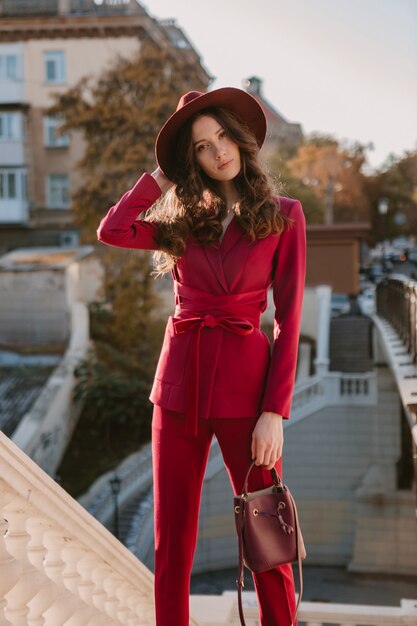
(46, 46)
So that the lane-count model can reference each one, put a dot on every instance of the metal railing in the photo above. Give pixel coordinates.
(396, 301)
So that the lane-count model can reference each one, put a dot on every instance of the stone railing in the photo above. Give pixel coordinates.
(333, 389)
(58, 564)
(45, 430)
(135, 475)
(320, 613)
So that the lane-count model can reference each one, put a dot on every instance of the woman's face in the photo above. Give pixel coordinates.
(216, 154)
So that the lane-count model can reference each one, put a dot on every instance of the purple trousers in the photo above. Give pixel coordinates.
(179, 464)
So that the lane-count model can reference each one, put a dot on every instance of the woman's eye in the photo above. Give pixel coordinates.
(201, 147)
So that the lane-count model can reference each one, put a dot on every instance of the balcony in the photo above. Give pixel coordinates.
(11, 91)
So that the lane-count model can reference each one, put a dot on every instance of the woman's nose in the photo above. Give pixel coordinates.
(219, 151)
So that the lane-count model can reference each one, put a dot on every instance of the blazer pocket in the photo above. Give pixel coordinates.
(173, 357)
(244, 362)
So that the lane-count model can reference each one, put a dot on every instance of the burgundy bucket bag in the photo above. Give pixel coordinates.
(268, 532)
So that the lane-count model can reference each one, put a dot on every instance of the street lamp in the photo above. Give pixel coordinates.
(383, 206)
(115, 488)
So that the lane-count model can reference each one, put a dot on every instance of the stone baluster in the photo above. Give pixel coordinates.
(83, 562)
(66, 604)
(111, 583)
(86, 564)
(72, 553)
(100, 597)
(49, 592)
(10, 568)
(30, 580)
(125, 592)
(137, 604)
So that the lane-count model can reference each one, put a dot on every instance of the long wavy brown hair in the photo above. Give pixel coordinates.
(194, 204)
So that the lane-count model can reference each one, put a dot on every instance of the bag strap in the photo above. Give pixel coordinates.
(299, 543)
(275, 477)
(241, 572)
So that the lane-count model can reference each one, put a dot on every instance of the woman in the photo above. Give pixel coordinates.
(226, 239)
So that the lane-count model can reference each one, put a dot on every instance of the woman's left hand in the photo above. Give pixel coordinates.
(267, 439)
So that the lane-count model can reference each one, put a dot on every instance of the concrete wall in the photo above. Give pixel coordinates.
(38, 288)
(33, 307)
(386, 529)
(46, 429)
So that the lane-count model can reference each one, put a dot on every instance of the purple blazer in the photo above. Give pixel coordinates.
(214, 357)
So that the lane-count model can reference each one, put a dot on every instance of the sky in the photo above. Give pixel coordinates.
(342, 67)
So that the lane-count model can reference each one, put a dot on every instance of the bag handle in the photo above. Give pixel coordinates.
(275, 477)
(241, 575)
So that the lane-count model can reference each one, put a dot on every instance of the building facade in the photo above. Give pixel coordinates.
(281, 133)
(47, 46)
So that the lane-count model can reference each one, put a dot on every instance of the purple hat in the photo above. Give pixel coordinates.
(245, 106)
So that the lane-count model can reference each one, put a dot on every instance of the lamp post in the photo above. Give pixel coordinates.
(330, 187)
(115, 488)
(383, 206)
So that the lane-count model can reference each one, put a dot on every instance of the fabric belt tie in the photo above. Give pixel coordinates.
(238, 313)
(233, 324)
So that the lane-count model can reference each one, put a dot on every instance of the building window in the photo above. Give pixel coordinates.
(8, 67)
(50, 138)
(57, 191)
(55, 66)
(8, 185)
(10, 128)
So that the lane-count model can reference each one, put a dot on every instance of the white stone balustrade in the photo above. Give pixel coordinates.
(310, 613)
(58, 564)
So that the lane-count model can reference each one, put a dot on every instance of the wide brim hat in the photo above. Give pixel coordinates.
(241, 103)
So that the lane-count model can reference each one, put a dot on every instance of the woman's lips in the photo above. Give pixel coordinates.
(221, 167)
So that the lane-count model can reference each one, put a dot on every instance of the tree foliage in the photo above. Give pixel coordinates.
(294, 187)
(321, 166)
(397, 182)
(328, 169)
(118, 115)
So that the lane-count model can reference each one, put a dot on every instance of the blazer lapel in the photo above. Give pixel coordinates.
(219, 258)
(213, 256)
(231, 237)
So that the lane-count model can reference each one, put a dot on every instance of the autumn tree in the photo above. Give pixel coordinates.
(334, 176)
(396, 182)
(119, 114)
(290, 186)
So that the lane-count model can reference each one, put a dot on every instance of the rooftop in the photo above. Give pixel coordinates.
(29, 8)
(42, 258)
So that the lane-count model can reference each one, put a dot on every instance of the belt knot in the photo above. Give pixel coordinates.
(210, 320)
(196, 322)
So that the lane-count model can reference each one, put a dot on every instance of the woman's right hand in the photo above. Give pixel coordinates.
(163, 182)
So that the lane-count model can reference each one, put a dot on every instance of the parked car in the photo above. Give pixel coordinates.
(340, 304)
(367, 300)
(376, 272)
(412, 255)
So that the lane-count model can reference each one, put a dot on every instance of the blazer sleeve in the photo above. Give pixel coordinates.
(121, 226)
(288, 292)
